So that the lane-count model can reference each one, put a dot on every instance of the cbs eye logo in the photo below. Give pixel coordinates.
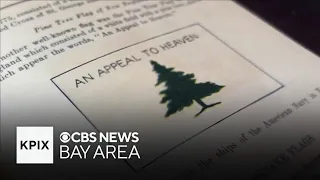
(65, 137)
(34, 145)
(78, 137)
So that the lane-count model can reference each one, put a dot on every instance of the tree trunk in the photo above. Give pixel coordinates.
(201, 103)
(204, 106)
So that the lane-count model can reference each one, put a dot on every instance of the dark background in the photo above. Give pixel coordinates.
(298, 19)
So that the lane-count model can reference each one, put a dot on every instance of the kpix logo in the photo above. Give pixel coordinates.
(28, 145)
(34, 145)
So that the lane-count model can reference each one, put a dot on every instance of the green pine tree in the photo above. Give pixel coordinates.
(182, 90)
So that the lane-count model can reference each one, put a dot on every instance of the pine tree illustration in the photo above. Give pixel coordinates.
(182, 90)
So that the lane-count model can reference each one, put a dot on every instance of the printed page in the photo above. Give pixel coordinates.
(212, 90)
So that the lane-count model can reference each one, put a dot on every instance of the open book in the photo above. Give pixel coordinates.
(212, 90)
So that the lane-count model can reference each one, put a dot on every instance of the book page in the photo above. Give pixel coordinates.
(212, 90)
